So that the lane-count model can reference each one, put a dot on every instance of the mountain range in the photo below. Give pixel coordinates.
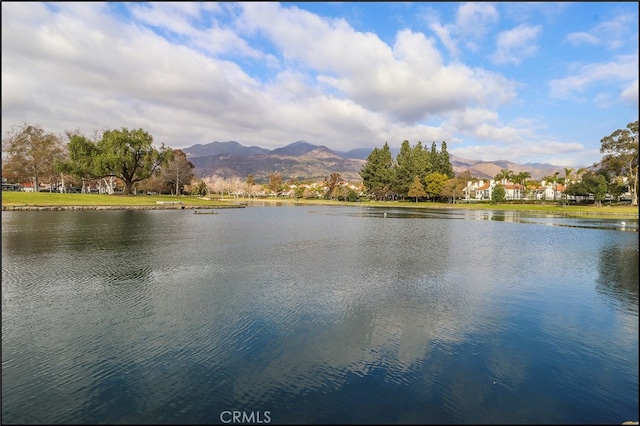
(305, 161)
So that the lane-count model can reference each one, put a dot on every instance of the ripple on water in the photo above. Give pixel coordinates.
(408, 319)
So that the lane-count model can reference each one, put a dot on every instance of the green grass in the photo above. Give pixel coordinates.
(41, 199)
(570, 210)
(55, 199)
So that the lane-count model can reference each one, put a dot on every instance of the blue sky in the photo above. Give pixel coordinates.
(524, 82)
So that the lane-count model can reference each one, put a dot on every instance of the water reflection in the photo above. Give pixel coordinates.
(526, 217)
(410, 318)
(618, 275)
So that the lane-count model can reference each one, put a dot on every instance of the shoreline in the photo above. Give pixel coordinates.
(101, 208)
(27, 207)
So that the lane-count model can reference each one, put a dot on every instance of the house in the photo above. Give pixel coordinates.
(28, 187)
(483, 190)
(10, 186)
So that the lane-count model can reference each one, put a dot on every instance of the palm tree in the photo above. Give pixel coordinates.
(567, 174)
(520, 179)
(555, 184)
(504, 176)
(553, 179)
(567, 181)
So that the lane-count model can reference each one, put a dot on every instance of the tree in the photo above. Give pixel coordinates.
(504, 176)
(434, 158)
(155, 184)
(31, 155)
(421, 163)
(498, 194)
(596, 185)
(568, 175)
(404, 169)
(444, 162)
(81, 159)
(377, 172)
(129, 155)
(455, 188)
(275, 182)
(621, 149)
(521, 179)
(435, 184)
(178, 171)
(416, 190)
(332, 183)
(199, 188)
(553, 179)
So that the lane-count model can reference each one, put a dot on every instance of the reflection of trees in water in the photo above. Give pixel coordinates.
(112, 230)
(33, 234)
(618, 274)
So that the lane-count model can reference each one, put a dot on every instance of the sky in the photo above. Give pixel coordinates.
(534, 82)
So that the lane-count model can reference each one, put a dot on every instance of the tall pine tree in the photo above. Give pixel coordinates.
(444, 163)
(377, 173)
(404, 169)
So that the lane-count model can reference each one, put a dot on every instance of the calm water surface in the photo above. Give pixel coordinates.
(318, 314)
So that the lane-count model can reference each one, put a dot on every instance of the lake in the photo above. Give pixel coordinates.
(318, 314)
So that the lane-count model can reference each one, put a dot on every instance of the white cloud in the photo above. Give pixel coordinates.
(268, 74)
(557, 153)
(473, 22)
(447, 41)
(623, 70)
(630, 93)
(513, 46)
(613, 34)
(474, 19)
(408, 80)
(582, 38)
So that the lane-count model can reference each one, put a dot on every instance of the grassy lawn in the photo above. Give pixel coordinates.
(571, 210)
(57, 199)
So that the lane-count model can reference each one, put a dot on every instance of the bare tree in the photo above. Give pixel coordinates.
(178, 171)
(31, 154)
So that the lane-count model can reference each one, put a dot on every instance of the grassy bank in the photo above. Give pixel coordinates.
(550, 208)
(45, 199)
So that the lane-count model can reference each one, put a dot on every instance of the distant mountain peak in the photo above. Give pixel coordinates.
(296, 149)
(301, 158)
(222, 148)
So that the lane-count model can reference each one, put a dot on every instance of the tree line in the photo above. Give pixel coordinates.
(30, 154)
(416, 172)
(419, 173)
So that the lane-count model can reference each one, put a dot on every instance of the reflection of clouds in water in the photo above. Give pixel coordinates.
(388, 313)
(398, 313)
(299, 307)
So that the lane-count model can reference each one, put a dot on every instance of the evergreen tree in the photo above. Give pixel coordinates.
(434, 158)
(404, 169)
(498, 194)
(422, 165)
(377, 173)
(444, 163)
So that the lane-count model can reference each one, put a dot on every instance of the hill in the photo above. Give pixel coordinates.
(303, 160)
(299, 160)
